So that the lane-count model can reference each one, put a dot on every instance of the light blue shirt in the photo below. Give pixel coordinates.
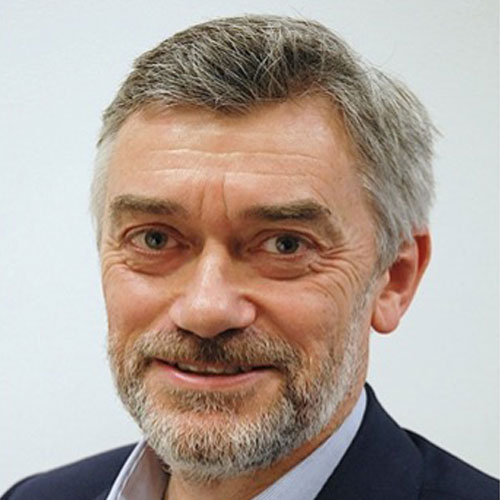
(142, 478)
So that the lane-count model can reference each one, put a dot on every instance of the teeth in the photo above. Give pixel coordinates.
(218, 371)
(210, 369)
(187, 368)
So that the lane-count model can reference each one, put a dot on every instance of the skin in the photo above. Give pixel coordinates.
(221, 268)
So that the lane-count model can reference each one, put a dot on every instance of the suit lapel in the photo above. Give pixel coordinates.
(382, 462)
(103, 495)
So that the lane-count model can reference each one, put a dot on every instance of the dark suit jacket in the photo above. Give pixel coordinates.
(384, 462)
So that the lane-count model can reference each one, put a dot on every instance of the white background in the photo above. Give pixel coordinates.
(61, 62)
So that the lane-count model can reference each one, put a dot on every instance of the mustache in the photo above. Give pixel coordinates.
(249, 347)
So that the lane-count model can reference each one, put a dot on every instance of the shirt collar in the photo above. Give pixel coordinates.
(143, 477)
(140, 477)
(306, 479)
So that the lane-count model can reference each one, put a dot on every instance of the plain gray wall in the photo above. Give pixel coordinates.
(61, 62)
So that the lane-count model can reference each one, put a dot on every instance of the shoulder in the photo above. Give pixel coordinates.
(391, 463)
(446, 477)
(82, 480)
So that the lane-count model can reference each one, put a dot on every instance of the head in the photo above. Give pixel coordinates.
(261, 198)
(232, 65)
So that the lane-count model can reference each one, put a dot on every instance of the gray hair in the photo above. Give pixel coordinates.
(232, 64)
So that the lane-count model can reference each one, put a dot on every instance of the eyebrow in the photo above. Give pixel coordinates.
(128, 203)
(296, 210)
(299, 211)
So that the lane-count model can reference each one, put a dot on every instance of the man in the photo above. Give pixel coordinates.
(261, 199)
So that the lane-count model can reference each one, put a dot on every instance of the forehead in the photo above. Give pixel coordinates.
(276, 153)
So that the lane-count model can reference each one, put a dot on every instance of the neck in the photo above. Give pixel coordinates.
(248, 486)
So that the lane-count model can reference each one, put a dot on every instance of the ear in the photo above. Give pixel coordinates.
(400, 282)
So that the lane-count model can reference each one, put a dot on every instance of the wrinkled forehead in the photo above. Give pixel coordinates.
(314, 114)
(291, 150)
(306, 127)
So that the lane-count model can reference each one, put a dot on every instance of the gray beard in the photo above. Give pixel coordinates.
(227, 444)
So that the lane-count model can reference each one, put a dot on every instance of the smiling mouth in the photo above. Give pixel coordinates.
(207, 369)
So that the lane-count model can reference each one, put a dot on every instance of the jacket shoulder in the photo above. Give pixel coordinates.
(446, 477)
(82, 480)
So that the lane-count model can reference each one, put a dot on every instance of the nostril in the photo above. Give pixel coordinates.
(225, 334)
(230, 332)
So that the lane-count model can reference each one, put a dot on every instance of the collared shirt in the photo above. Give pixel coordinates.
(142, 478)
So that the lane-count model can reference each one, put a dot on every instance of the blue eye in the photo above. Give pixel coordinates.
(283, 244)
(153, 239)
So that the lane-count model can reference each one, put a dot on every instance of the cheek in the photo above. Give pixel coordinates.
(135, 303)
(306, 317)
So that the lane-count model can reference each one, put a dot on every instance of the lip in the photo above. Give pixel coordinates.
(196, 381)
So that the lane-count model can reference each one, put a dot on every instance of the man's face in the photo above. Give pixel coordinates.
(237, 260)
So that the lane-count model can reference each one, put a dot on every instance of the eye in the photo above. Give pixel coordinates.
(283, 244)
(153, 239)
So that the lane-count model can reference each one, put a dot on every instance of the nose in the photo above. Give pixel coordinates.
(211, 301)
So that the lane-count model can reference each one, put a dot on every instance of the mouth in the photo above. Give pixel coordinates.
(205, 376)
(212, 369)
